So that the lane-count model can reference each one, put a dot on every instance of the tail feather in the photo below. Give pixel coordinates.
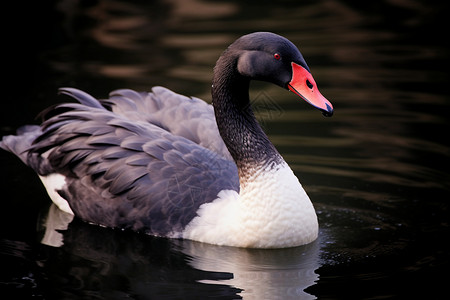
(22, 143)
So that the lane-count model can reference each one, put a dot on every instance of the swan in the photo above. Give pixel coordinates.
(174, 166)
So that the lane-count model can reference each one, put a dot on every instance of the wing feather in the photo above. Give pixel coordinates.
(190, 118)
(144, 161)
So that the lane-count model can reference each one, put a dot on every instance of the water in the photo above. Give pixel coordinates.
(376, 171)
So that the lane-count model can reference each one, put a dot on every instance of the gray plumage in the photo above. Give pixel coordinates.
(143, 161)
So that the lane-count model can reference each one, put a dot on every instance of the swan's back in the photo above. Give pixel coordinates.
(131, 161)
(188, 117)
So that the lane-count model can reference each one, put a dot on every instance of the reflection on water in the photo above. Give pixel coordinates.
(101, 263)
(56, 221)
(261, 274)
(98, 259)
(376, 171)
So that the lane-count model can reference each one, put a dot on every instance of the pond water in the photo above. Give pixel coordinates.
(377, 171)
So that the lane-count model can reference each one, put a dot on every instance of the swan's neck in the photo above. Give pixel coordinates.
(246, 141)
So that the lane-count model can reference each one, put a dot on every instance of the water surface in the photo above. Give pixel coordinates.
(376, 171)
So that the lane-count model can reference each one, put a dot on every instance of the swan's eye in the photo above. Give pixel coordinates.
(277, 56)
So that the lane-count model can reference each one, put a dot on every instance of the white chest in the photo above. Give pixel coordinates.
(272, 211)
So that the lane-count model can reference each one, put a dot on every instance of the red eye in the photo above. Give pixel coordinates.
(277, 56)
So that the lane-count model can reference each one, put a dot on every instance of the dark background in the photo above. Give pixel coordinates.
(377, 172)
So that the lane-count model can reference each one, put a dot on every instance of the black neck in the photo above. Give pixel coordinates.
(246, 141)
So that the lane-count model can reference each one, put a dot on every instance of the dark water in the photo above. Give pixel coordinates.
(377, 171)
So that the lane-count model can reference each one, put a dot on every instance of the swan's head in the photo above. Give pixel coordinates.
(269, 57)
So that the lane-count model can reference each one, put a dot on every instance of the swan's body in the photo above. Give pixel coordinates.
(158, 163)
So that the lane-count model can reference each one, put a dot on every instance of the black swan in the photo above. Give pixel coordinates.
(172, 166)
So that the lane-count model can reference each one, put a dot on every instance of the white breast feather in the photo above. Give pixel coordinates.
(273, 210)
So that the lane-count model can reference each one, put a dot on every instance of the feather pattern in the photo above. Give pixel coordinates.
(117, 161)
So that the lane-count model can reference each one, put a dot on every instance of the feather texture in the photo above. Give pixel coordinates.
(124, 158)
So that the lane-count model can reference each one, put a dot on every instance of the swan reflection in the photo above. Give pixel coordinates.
(260, 273)
(90, 260)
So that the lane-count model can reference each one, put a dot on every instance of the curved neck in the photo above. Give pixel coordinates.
(246, 141)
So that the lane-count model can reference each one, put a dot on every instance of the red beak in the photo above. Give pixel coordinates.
(304, 85)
